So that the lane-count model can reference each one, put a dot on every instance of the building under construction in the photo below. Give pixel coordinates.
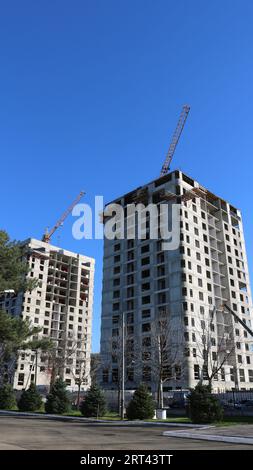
(184, 289)
(61, 306)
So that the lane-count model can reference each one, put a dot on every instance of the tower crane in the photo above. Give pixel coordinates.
(48, 234)
(175, 139)
(223, 306)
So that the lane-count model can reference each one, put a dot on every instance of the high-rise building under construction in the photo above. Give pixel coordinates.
(61, 306)
(186, 287)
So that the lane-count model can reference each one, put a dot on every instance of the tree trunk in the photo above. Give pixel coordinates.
(160, 394)
(78, 395)
(53, 376)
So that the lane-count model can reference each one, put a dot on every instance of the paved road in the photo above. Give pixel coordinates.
(26, 433)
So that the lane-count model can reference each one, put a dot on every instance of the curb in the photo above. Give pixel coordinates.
(83, 420)
(51, 417)
(209, 437)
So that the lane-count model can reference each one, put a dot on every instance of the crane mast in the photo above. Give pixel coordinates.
(175, 139)
(47, 236)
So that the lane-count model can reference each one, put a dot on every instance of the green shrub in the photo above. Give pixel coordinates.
(58, 400)
(141, 406)
(30, 399)
(94, 403)
(7, 397)
(203, 407)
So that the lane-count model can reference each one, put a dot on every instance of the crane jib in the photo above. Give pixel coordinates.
(175, 139)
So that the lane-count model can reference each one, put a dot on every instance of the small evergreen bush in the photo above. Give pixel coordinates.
(203, 407)
(58, 400)
(94, 403)
(30, 399)
(141, 406)
(7, 397)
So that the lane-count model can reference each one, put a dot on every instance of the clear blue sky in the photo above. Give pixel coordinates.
(90, 93)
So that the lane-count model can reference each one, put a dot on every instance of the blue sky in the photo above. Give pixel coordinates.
(90, 93)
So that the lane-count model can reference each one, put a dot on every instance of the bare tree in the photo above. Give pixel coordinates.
(216, 345)
(158, 358)
(95, 365)
(115, 356)
(117, 361)
(69, 353)
(165, 355)
(84, 375)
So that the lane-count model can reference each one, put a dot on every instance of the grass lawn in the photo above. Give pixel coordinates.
(231, 420)
(173, 419)
(76, 413)
(227, 421)
(110, 415)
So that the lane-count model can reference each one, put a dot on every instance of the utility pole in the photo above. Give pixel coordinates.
(122, 408)
(160, 389)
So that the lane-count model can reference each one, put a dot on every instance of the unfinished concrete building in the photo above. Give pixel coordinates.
(189, 285)
(61, 306)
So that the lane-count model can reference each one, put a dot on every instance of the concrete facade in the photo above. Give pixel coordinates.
(190, 283)
(62, 306)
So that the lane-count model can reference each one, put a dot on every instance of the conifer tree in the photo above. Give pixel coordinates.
(203, 407)
(30, 399)
(94, 404)
(58, 400)
(7, 397)
(141, 406)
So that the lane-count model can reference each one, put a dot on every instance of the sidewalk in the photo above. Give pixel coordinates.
(238, 434)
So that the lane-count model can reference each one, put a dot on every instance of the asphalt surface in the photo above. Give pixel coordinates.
(31, 434)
